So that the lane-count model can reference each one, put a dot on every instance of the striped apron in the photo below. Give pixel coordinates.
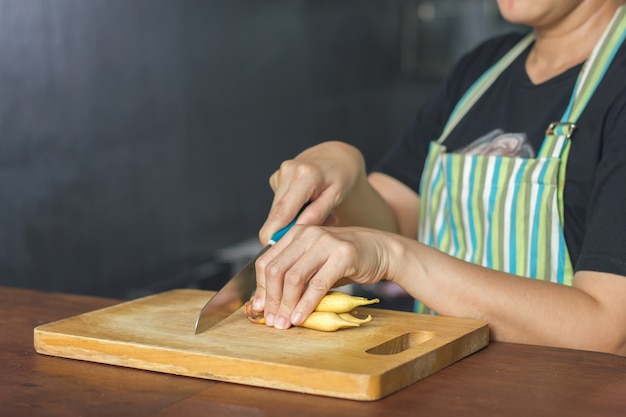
(503, 212)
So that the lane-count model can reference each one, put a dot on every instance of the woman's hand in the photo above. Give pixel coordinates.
(294, 275)
(323, 176)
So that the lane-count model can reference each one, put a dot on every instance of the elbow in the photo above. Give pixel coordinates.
(611, 341)
(617, 346)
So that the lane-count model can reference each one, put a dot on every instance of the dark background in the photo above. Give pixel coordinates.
(137, 136)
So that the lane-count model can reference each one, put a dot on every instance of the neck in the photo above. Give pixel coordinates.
(568, 42)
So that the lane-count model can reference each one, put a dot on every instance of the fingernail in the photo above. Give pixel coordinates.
(269, 319)
(297, 318)
(281, 323)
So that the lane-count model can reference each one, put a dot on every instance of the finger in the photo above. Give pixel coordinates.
(294, 184)
(312, 270)
(331, 220)
(258, 302)
(281, 291)
(284, 209)
(318, 212)
(265, 287)
(318, 286)
(295, 281)
(284, 283)
(261, 266)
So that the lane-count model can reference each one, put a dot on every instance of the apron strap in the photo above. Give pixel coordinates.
(475, 92)
(557, 139)
(588, 80)
(594, 69)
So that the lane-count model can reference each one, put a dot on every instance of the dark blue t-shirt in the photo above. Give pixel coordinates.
(595, 183)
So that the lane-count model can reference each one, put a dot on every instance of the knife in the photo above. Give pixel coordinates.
(236, 291)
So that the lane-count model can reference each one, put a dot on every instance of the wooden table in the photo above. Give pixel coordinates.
(501, 380)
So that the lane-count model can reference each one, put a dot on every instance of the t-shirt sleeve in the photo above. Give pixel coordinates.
(405, 160)
(604, 245)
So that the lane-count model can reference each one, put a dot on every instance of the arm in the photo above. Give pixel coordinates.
(330, 176)
(307, 262)
(589, 315)
(402, 201)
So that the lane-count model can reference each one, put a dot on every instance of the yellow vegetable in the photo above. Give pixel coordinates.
(327, 321)
(339, 302)
(332, 313)
(349, 317)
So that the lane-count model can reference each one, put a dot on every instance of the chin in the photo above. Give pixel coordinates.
(518, 11)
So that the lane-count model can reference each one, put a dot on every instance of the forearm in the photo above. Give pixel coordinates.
(365, 207)
(517, 309)
(389, 205)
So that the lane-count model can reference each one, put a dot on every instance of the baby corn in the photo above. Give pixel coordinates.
(349, 317)
(327, 321)
(340, 302)
(332, 313)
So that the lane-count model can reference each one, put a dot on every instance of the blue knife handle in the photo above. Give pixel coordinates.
(276, 236)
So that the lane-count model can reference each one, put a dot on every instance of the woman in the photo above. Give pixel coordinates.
(494, 192)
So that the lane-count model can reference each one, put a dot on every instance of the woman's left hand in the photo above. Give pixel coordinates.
(294, 274)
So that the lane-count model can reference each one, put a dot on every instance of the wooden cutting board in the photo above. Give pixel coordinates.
(369, 362)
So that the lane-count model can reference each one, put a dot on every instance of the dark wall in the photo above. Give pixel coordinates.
(137, 136)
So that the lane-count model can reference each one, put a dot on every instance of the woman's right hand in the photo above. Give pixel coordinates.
(323, 175)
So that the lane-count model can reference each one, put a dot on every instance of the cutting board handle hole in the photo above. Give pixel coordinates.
(400, 343)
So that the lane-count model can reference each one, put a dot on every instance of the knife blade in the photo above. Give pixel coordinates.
(236, 291)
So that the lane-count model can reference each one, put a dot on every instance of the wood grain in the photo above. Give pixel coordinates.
(502, 379)
(366, 363)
